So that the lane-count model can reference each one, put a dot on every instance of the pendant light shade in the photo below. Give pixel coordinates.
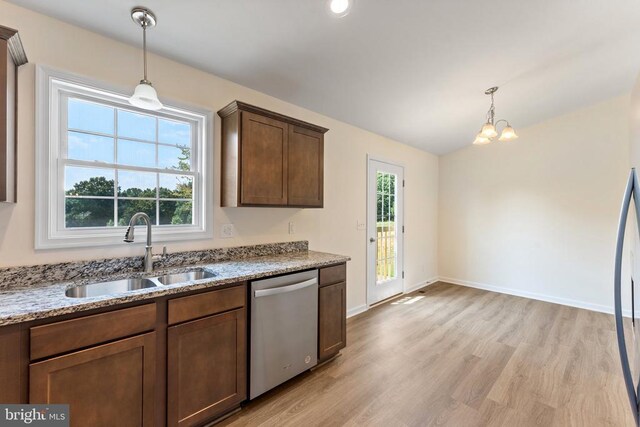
(490, 129)
(508, 134)
(481, 140)
(144, 96)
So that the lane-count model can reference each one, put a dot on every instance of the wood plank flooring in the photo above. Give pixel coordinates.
(456, 356)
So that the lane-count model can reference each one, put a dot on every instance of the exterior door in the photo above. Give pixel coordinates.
(385, 231)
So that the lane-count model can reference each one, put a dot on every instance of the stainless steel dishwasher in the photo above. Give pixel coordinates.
(284, 329)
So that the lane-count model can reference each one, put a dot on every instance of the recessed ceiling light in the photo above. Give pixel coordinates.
(340, 8)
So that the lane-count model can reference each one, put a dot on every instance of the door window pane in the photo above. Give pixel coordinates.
(89, 116)
(386, 226)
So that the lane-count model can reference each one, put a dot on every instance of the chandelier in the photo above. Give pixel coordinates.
(489, 130)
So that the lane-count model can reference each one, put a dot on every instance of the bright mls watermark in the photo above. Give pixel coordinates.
(34, 415)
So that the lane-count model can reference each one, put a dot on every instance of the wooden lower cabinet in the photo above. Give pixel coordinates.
(206, 368)
(179, 361)
(332, 319)
(11, 363)
(107, 385)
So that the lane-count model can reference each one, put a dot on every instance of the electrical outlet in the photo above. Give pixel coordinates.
(292, 228)
(227, 231)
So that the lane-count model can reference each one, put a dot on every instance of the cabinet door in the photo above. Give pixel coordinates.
(306, 164)
(264, 145)
(207, 363)
(332, 324)
(107, 385)
(11, 363)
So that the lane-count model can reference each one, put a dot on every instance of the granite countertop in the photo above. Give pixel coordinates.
(38, 301)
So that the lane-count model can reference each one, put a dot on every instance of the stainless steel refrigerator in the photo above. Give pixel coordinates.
(628, 344)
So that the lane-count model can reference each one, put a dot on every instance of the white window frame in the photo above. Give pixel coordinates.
(52, 88)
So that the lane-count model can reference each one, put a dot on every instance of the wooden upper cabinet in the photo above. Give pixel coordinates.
(264, 164)
(269, 159)
(11, 57)
(306, 167)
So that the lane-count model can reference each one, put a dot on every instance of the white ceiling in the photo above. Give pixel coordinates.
(412, 70)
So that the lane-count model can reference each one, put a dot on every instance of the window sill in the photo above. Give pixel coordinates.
(90, 238)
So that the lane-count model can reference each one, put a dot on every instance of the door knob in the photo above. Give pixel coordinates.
(372, 239)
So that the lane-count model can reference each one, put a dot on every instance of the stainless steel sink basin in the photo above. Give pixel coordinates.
(109, 288)
(170, 279)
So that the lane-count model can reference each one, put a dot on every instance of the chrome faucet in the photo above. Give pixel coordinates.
(149, 257)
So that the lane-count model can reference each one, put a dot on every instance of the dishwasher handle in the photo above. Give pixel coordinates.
(285, 289)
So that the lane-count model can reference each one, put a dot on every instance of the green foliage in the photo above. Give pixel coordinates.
(386, 195)
(96, 186)
(92, 212)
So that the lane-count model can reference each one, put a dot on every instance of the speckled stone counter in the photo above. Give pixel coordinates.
(24, 299)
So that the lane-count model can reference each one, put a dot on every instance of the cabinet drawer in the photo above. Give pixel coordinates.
(60, 337)
(205, 304)
(335, 274)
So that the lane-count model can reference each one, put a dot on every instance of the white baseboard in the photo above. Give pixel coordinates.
(357, 310)
(362, 308)
(421, 285)
(534, 295)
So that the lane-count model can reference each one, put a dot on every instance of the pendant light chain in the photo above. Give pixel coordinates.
(492, 111)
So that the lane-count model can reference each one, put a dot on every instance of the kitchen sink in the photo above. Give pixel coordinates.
(125, 285)
(170, 279)
(109, 288)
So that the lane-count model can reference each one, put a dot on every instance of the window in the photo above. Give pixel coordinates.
(100, 160)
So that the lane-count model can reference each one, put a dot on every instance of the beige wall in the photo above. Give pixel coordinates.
(333, 229)
(538, 217)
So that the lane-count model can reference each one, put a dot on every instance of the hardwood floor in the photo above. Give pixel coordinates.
(455, 356)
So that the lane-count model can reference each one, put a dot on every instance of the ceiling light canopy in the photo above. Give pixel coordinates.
(144, 96)
(490, 129)
(340, 8)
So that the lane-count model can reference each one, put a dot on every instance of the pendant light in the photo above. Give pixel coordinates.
(144, 96)
(489, 130)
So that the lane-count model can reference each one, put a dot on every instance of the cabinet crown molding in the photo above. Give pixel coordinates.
(14, 44)
(242, 106)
